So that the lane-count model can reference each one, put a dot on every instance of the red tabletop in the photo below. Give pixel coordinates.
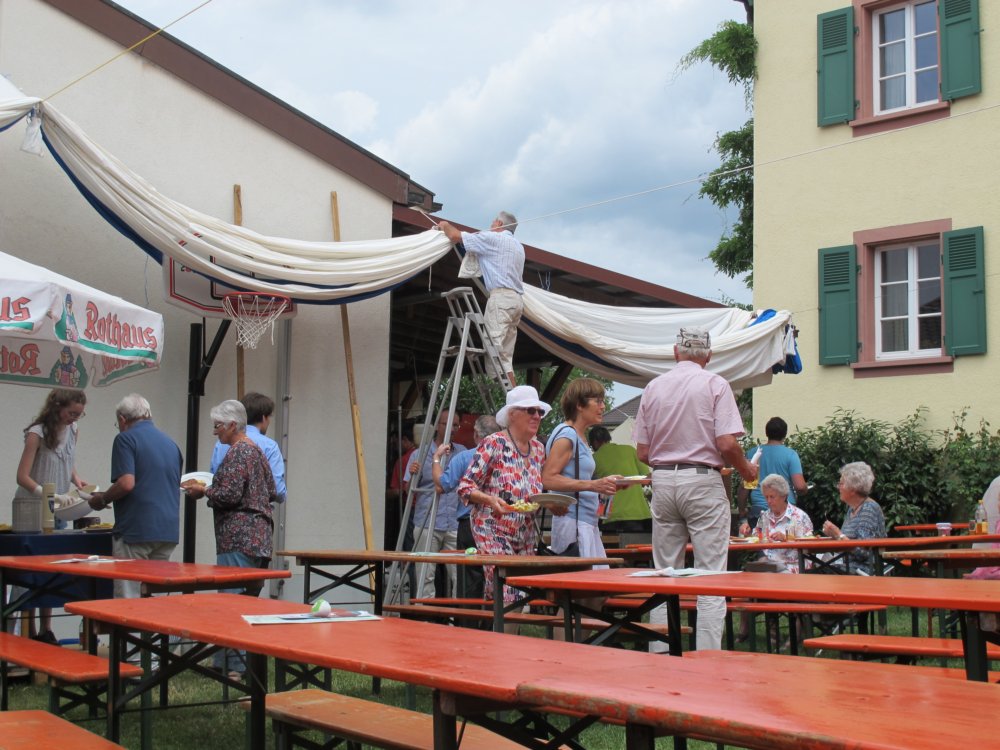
(836, 545)
(967, 558)
(859, 702)
(980, 596)
(159, 574)
(348, 556)
(793, 702)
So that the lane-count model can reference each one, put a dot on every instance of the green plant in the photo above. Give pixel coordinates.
(970, 460)
(903, 457)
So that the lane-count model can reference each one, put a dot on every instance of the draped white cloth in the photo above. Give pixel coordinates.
(628, 345)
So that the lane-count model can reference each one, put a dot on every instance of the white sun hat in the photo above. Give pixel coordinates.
(521, 397)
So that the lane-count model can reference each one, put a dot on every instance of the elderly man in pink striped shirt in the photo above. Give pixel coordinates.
(686, 430)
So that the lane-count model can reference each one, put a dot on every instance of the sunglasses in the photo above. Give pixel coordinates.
(533, 411)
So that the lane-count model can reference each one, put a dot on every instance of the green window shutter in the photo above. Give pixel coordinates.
(835, 60)
(838, 305)
(960, 63)
(964, 292)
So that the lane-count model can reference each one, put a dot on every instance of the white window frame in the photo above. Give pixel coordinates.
(913, 315)
(910, 55)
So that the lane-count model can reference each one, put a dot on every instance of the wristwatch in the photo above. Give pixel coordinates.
(436, 461)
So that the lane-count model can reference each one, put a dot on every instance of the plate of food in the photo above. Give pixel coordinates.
(201, 479)
(70, 506)
(552, 500)
(743, 540)
(5, 528)
(524, 506)
(99, 527)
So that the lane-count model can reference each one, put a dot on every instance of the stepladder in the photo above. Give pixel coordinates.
(466, 351)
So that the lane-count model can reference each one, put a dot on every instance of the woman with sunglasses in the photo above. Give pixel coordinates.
(506, 469)
(49, 455)
(569, 468)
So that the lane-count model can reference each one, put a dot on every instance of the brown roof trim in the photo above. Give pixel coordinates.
(239, 94)
(674, 298)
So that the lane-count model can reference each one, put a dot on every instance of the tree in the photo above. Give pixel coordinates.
(733, 50)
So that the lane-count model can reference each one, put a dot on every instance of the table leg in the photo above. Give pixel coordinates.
(975, 647)
(674, 625)
(642, 737)
(445, 734)
(257, 679)
(116, 654)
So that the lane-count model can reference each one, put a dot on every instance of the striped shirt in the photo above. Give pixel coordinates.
(501, 258)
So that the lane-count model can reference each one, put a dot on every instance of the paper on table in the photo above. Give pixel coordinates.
(679, 572)
(336, 615)
(92, 559)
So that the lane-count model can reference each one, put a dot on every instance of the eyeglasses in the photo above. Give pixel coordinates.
(534, 411)
(76, 414)
(218, 425)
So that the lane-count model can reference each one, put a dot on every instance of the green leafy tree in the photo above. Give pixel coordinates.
(733, 50)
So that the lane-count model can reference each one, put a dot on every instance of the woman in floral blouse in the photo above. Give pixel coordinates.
(241, 494)
(506, 469)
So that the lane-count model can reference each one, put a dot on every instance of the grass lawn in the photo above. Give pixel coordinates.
(224, 726)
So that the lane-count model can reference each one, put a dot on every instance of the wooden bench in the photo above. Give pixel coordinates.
(359, 721)
(76, 677)
(452, 615)
(40, 729)
(904, 648)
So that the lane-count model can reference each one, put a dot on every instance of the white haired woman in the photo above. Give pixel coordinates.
(864, 518)
(241, 495)
(782, 521)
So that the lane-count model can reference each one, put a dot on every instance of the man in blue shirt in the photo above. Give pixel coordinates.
(259, 410)
(146, 478)
(447, 479)
(775, 458)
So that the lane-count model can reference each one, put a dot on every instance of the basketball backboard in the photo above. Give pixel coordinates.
(202, 296)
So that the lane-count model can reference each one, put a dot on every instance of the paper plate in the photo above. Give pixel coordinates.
(77, 508)
(553, 500)
(84, 492)
(204, 477)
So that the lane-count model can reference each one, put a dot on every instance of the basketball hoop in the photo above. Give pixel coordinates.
(253, 313)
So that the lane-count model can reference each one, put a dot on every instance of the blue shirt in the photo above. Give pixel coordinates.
(448, 502)
(270, 450)
(151, 511)
(501, 258)
(585, 508)
(453, 474)
(775, 459)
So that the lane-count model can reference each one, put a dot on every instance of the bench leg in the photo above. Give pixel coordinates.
(641, 737)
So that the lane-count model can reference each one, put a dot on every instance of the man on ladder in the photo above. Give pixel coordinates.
(501, 262)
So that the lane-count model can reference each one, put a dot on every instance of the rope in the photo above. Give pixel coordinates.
(125, 51)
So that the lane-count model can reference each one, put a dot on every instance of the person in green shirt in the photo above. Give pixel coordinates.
(629, 509)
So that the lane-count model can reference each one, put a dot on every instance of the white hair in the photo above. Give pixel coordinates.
(230, 411)
(508, 220)
(133, 407)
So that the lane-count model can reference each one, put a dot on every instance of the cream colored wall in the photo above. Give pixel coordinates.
(816, 186)
(193, 150)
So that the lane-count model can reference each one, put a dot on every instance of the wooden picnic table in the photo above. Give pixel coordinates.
(473, 673)
(155, 576)
(367, 570)
(931, 528)
(969, 597)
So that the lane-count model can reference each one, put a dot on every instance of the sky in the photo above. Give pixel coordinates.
(560, 112)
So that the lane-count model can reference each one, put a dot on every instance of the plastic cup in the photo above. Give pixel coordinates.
(944, 529)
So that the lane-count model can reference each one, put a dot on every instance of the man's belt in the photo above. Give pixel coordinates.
(700, 468)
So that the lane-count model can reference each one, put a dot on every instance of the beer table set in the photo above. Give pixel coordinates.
(765, 702)
(971, 598)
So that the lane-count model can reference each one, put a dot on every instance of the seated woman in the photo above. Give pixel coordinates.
(783, 521)
(864, 518)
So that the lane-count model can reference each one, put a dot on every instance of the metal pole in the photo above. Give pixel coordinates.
(196, 388)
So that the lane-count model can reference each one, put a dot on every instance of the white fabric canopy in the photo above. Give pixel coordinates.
(628, 345)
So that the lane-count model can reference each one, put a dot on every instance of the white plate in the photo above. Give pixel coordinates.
(202, 476)
(77, 508)
(553, 500)
(85, 492)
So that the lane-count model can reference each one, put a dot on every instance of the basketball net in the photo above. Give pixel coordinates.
(253, 314)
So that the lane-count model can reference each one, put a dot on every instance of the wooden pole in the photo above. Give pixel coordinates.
(359, 452)
(238, 221)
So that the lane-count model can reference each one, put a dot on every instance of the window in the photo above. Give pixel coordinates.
(903, 299)
(906, 56)
(886, 64)
(908, 301)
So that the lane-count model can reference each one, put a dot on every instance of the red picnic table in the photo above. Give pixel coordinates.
(474, 673)
(969, 597)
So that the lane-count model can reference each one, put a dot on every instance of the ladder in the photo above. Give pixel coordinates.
(466, 349)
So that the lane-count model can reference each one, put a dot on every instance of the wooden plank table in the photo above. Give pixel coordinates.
(969, 597)
(473, 672)
(369, 565)
(949, 559)
(155, 576)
